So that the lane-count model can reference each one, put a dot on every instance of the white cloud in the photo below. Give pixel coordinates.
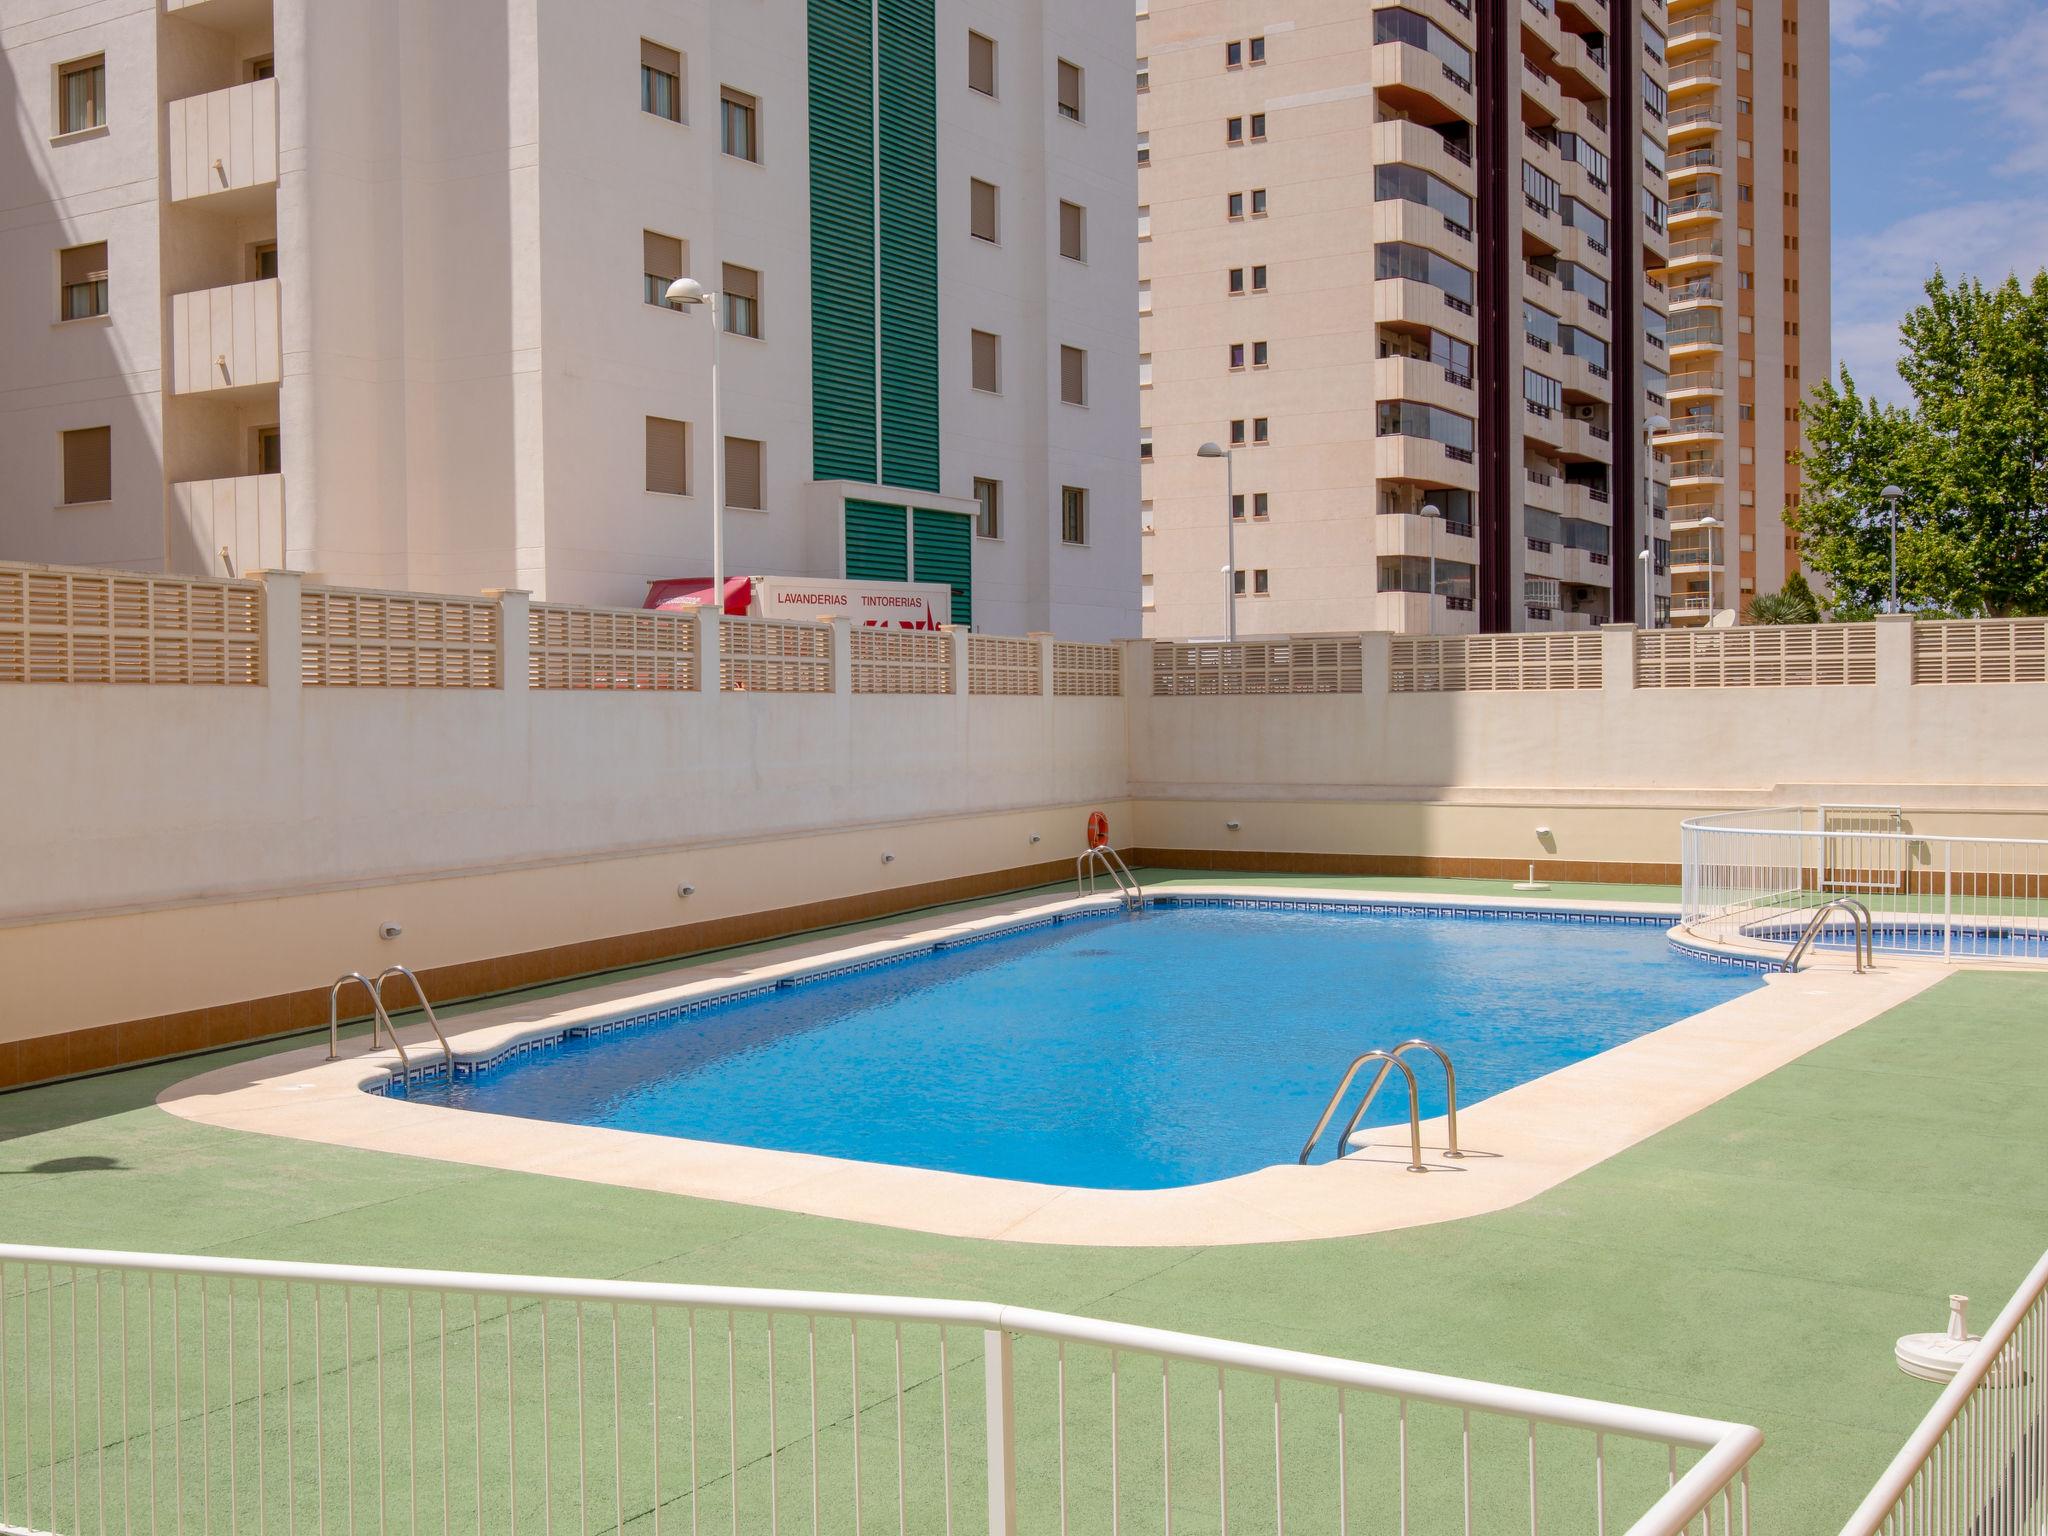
(1859, 25)
(2005, 83)
(1878, 277)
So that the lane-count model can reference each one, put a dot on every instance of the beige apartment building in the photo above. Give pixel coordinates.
(1409, 265)
(376, 290)
(1747, 285)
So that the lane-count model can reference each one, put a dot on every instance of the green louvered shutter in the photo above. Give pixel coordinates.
(945, 552)
(877, 542)
(909, 244)
(843, 434)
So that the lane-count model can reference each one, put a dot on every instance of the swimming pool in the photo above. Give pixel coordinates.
(1190, 1042)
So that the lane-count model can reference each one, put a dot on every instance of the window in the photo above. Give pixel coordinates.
(1410, 418)
(661, 263)
(739, 124)
(269, 454)
(88, 465)
(1236, 205)
(981, 210)
(82, 96)
(1236, 355)
(1261, 504)
(987, 370)
(1233, 130)
(82, 270)
(1539, 326)
(1237, 432)
(981, 64)
(1144, 221)
(1259, 432)
(1237, 583)
(261, 68)
(1144, 76)
(1145, 445)
(1233, 55)
(1237, 506)
(1070, 91)
(661, 81)
(1073, 231)
(1144, 295)
(988, 517)
(668, 456)
(1258, 279)
(743, 474)
(1258, 50)
(1144, 370)
(1415, 264)
(1073, 515)
(1412, 184)
(1542, 391)
(1538, 190)
(1258, 202)
(1144, 149)
(1260, 587)
(1258, 354)
(1398, 26)
(263, 260)
(1237, 279)
(1073, 376)
(742, 301)
(1258, 127)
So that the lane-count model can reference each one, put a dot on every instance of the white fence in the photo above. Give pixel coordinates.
(153, 1392)
(1978, 1463)
(1757, 876)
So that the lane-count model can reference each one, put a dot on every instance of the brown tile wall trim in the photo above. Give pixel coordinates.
(1402, 864)
(46, 1057)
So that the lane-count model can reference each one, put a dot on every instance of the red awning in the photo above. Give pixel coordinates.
(694, 591)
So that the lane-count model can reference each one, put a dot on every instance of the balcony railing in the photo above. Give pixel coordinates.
(1685, 29)
(1701, 159)
(1696, 202)
(1695, 469)
(1707, 378)
(1703, 291)
(1695, 248)
(1694, 336)
(1705, 115)
(1697, 72)
(1683, 425)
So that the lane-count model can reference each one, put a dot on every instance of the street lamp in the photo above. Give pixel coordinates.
(1431, 509)
(1893, 495)
(1646, 612)
(687, 290)
(1218, 451)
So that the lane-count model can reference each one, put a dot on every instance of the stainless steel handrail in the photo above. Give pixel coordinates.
(1379, 1078)
(1863, 927)
(377, 1015)
(1119, 873)
(1414, 1108)
(428, 1008)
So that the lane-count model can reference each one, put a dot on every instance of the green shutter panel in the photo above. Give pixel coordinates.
(842, 241)
(909, 244)
(877, 542)
(945, 552)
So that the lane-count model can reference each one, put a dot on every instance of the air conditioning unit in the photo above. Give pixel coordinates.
(1585, 412)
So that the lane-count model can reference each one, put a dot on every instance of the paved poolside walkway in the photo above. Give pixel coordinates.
(1753, 1262)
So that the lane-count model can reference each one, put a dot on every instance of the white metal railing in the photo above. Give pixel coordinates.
(1004, 667)
(159, 1392)
(775, 656)
(1494, 663)
(610, 649)
(1978, 1463)
(1083, 669)
(901, 660)
(79, 626)
(1753, 876)
(1300, 664)
(363, 639)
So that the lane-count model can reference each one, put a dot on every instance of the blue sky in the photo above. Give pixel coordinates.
(1940, 156)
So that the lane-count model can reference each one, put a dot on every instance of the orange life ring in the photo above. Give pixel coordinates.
(1098, 830)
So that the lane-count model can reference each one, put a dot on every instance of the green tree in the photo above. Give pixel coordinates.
(1794, 603)
(1971, 455)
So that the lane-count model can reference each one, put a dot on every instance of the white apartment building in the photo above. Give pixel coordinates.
(1397, 260)
(374, 291)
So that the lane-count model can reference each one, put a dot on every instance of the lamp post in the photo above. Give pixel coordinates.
(1893, 496)
(1218, 451)
(1646, 609)
(1431, 509)
(687, 290)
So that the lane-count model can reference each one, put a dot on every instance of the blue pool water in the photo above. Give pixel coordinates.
(1142, 1051)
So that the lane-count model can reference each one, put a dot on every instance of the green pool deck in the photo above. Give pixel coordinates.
(1754, 1262)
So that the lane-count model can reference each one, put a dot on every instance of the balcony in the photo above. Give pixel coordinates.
(1589, 502)
(1400, 300)
(225, 340)
(1692, 295)
(1424, 459)
(1695, 118)
(223, 142)
(1541, 424)
(1702, 428)
(228, 527)
(1694, 208)
(1693, 340)
(1693, 251)
(1410, 533)
(1585, 377)
(1419, 378)
(1693, 382)
(1588, 568)
(1691, 608)
(1416, 613)
(1543, 488)
(1588, 440)
(1419, 83)
(1693, 75)
(1703, 161)
(1414, 144)
(1696, 471)
(1695, 555)
(1542, 88)
(1699, 27)
(1396, 219)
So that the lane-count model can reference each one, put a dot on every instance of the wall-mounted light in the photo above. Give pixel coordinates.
(888, 858)
(389, 930)
(1035, 837)
(686, 890)
(1230, 826)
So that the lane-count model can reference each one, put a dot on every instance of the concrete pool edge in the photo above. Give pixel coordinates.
(1529, 1138)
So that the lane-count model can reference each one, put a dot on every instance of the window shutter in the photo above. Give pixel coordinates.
(662, 257)
(988, 362)
(668, 456)
(982, 210)
(1073, 376)
(1072, 227)
(89, 465)
(981, 64)
(742, 282)
(1070, 89)
(743, 473)
(654, 56)
(84, 263)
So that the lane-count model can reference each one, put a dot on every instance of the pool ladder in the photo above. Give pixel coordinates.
(1389, 1061)
(1865, 933)
(379, 1016)
(1110, 862)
